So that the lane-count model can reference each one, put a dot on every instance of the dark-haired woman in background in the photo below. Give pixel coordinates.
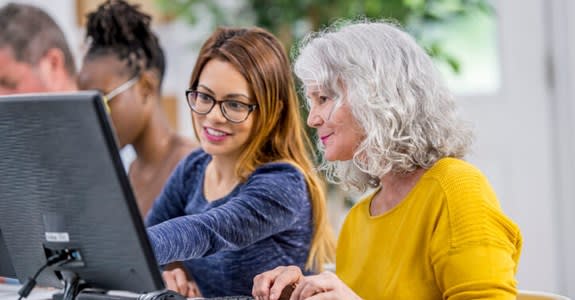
(126, 63)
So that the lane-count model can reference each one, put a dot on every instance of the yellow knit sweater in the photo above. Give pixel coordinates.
(448, 239)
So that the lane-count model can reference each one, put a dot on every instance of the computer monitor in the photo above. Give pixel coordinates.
(6, 268)
(62, 186)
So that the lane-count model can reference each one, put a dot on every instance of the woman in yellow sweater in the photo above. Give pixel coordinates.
(433, 228)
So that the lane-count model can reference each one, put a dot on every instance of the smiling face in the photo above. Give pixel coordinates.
(217, 135)
(337, 129)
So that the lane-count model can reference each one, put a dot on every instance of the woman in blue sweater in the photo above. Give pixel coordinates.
(248, 200)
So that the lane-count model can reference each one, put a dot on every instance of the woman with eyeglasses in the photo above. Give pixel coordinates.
(249, 199)
(431, 226)
(126, 63)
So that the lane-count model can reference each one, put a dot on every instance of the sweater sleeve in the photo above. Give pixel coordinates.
(269, 202)
(171, 201)
(476, 247)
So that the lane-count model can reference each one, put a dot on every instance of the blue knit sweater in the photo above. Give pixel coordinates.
(263, 223)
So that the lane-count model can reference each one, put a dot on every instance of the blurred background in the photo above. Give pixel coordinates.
(510, 63)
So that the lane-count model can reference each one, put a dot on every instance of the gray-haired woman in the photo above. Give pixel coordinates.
(433, 228)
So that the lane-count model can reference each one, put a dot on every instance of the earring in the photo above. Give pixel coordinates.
(373, 182)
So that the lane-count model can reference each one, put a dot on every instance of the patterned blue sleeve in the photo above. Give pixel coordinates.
(171, 201)
(268, 203)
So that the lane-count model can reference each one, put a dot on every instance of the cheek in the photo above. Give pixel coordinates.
(196, 123)
(244, 132)
(128, 119)
(31, 84)
(350, 137)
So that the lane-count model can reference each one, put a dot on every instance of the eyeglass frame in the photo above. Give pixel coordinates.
(118, 90)
(121, 88)
(251, 107)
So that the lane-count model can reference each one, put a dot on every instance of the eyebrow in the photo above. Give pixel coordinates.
(232, 95)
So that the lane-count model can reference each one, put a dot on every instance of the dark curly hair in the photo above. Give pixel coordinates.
(118, 28)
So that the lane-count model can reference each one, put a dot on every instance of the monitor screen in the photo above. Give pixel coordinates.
(63, 187)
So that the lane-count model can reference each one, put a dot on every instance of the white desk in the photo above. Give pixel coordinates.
(10, 292)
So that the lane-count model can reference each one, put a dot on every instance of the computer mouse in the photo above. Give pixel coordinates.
(162, 295)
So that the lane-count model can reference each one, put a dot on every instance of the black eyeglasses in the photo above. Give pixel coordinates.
(233, 110)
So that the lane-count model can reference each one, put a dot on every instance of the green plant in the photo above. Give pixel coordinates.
(292, 19)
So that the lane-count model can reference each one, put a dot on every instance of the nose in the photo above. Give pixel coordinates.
(314, 118)
(216, 114)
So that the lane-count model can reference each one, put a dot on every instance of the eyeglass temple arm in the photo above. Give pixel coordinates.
(126, 85)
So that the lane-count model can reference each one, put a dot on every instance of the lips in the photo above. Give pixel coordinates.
(215, 132)
(215, 135)
(325, 137)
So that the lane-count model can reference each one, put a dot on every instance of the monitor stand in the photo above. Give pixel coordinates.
(74, 290)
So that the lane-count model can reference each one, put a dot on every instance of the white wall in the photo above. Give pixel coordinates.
(561, 49)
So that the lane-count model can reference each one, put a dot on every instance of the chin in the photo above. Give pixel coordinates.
(330, 156)
(337, 156)
(215, 150)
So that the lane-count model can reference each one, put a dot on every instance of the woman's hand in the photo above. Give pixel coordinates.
(269, 285)
(177, 279)
(322, 287)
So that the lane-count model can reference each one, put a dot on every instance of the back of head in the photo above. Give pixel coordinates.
(30, 32)
(278, 133)
(395, 93)
(120, 29)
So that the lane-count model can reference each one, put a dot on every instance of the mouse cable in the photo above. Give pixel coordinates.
(31, 282)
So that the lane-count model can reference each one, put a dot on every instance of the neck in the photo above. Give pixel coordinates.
(156, 140)
(395, 187)
(69, 84)
(223, 169)
(62, 83)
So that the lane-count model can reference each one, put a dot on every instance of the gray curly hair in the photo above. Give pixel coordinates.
(395, 93)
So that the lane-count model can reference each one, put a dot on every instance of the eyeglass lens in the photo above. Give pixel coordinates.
(233, 110)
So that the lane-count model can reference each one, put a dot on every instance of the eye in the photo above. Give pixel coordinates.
(323, 99)
(233, 105)
(204, 98)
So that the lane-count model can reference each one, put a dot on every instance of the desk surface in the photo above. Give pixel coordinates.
(10, 292)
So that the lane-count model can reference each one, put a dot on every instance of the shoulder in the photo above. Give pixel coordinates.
(278, 171)
(473, 210)
(194, 160)
(459, 179)
(462, 185)
(189, 169)
(450, 170)
(184, 147)
(278, 180)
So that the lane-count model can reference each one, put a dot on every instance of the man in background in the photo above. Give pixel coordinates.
(34, 57)
(34, 54)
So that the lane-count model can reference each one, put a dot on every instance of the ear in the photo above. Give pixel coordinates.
(149, 84)
(52, 68)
